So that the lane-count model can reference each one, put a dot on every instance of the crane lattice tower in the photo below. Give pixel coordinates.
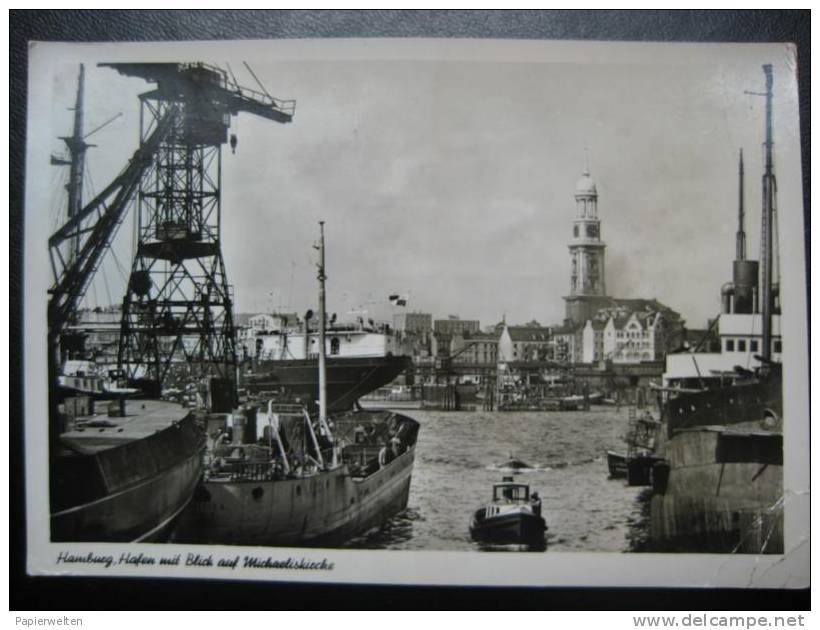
(177, 316)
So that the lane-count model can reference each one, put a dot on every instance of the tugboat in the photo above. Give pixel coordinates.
(513, 516)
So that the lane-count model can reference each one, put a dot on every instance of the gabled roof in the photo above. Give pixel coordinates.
(482, 336)
(629, 305)
(567, 329)
(528, 333)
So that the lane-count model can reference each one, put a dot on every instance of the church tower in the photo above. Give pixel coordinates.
(586, 249)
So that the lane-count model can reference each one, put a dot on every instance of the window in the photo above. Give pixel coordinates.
(575, 231)
(741, 345)
(753, 345)
(730, 345)
(778, 346)
(334, 345)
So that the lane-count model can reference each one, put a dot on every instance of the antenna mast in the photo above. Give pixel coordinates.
(322, 317)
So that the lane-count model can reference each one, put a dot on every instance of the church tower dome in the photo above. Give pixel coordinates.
(586, 185)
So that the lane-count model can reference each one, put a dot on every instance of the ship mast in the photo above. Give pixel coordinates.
(322, 364)
(766, 223)
(76, 145)
(740, 253)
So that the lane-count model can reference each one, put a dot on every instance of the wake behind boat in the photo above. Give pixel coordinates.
(515, 465)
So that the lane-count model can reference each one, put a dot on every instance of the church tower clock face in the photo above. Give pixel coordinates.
(587, 248)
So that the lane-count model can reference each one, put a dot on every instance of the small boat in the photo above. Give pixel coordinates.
(636, 465)
(571, 403)
(513, 517)
(616, 462)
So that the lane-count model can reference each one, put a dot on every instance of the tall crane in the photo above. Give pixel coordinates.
(178, 304)
(177, 313)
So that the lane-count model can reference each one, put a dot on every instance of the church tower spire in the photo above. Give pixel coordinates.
(586, 248)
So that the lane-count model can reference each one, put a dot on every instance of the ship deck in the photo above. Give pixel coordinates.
(143, 418)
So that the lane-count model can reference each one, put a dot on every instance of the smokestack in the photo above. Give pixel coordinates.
(745, 272)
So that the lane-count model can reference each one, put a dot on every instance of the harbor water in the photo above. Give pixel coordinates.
(460, 455)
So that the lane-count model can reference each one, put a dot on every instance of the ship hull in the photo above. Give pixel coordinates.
(128, 492)
(326, 509)
(639, 469)
(348, 378)
(714, 506)
(519, 528)
(721, 487)
(144, 513)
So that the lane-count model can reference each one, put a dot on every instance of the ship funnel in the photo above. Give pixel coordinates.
(745, 274)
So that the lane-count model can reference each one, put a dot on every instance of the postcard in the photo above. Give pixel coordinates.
(469, 312)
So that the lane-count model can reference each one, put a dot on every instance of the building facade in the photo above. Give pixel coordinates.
(419, 323)
(455, 326)
(479, 349)
(525, 343)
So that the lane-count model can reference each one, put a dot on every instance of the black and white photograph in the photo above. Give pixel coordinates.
(413, 311)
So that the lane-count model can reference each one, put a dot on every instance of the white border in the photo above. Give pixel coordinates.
(428, 567)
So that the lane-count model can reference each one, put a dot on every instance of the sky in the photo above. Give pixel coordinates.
(452, 182)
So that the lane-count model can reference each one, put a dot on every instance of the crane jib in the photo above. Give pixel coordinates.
(72, 280)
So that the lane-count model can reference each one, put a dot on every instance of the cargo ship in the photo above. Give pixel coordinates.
(281, 353)
(720, 486)
(122, 470)
(299, 478)
(289, 481)
(124, 473)
(348, 377)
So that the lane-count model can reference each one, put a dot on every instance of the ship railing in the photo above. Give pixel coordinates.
(252, 471)
(287, 409)
(360, 453)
